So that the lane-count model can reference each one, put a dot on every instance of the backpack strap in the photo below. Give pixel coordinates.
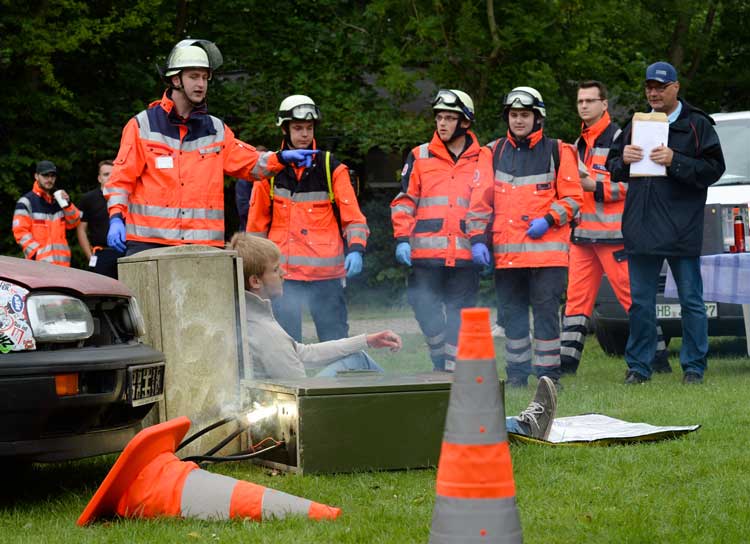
(331, 196)
(556, 156)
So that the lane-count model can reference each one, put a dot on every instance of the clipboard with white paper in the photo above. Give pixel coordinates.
(650, 130)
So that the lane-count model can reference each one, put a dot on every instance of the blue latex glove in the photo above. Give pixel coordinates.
(403, 253)
(301, 157)
(537, 228)
(353, 264)
(116, 234)
(480, 254)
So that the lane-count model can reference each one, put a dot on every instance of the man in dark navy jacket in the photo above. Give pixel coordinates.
(663, 219)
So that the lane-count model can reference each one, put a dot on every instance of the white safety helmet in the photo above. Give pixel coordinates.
(192, 54)
(297, 107)
(525, 98)
(454, 100)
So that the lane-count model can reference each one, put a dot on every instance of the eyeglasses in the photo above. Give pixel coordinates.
(451, 99)
(440, 117)
(658, 88)
(303, 112)
(588, 101)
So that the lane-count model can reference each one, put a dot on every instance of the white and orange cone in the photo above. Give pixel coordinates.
(475, 492)
(149, 481)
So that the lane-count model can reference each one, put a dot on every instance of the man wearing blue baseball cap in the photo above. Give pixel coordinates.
(663, 219)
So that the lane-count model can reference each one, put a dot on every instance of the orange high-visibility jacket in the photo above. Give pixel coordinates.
(601, 214)
(301, 219)
(39, 226)
(527, 185)
(430, 211)
(168, 177)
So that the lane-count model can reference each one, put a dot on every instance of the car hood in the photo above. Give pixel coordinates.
(728, 194)
(36, 275)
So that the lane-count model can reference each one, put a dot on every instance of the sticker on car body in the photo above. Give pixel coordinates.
(15, 331)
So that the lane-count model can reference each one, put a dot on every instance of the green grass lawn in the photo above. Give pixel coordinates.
(693, 489)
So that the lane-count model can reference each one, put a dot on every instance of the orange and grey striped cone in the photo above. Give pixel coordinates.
(475, 492)
(149, 481)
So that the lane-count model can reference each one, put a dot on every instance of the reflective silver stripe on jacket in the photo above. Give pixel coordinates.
(29, 249)
(148, 135)
(145, 133)
(602, 217)
(598, 234)
(530, 248)
(165, 212)
(277, 504)
(206, 495)
(475, 413)
(561, 211)
(314, 196)
(519, 181)
(47, 216)
(312, 261)
(356, 230)
(426, 202)
(26, 203)
(614, 190)
(423, 151)
(260, 170)
(175, 234)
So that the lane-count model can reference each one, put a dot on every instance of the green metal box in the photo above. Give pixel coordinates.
(356, 422)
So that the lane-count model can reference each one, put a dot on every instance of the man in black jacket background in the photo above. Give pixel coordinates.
(663, 219)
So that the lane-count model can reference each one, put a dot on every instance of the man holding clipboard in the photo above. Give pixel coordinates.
(663, 217)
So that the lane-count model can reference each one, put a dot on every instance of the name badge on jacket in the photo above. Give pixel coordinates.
(164, 162)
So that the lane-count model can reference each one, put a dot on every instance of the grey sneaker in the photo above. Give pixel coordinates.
(540, 412)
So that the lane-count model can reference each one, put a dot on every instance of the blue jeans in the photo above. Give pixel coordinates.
(512, 426)
(327, 304)
(644, 280)
(355, 361)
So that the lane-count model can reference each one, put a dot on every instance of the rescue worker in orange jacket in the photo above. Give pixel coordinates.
(41, 218)
(429, 224)
(535, 194)
(597, 246)
(167, 185)
(311, 212)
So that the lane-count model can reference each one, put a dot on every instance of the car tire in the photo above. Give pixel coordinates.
(612, 339)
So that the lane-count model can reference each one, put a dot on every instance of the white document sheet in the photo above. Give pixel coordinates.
(650, 130)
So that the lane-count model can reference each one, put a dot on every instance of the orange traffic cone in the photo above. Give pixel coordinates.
(475, 493)
(149, 481)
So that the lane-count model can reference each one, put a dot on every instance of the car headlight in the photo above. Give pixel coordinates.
(59, 318)
(136, 317)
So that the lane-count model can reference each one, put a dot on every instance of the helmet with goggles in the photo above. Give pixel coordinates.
(297, 107)
(454, 100)
(192, 54)
(525, 98)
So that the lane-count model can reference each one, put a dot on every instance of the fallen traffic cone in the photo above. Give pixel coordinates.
(149, 481)
(475, 493)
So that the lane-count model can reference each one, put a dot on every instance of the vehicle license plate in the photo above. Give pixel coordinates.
(145, 383)
(674, 311)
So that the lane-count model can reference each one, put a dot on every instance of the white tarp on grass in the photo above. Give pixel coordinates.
(601, 430)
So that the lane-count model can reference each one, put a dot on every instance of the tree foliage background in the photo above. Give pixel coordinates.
(73, 72)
